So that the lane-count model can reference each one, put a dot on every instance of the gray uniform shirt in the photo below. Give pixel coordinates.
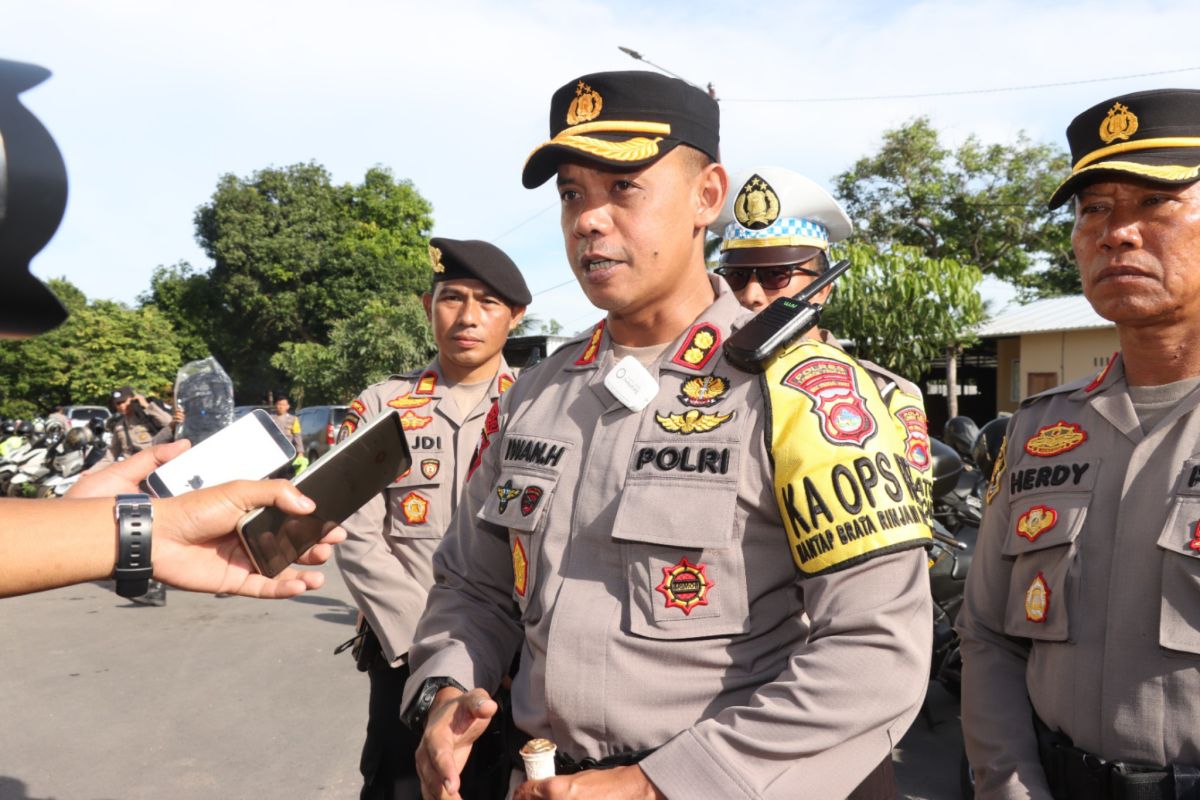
(1083, 600)
(639, 562)
(386, 558)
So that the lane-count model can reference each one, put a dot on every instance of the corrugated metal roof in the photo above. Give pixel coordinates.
(1071, 313)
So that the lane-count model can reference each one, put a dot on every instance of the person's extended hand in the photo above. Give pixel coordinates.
(618, 783)
(194, 547)
(125, 477)
(453, 725)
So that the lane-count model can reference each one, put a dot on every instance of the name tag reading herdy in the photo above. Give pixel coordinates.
(631, 383)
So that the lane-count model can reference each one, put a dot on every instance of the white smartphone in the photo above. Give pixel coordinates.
(250, 448)
(339, 482)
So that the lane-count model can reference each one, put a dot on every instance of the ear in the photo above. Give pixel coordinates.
(822, 296)
(518, 314)
(712, 184)
(427, 301)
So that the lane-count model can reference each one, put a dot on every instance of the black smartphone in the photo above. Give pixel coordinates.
(340, 483)
(249, 449)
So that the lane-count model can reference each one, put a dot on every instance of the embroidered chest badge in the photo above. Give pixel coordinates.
(426, 384)
(1037, 599)
(415, 508)
(349, 425)
(520, 567)
(411, 421)
(1036, 521)
(507, 493)
(698, 346)
(1053, 440)
(837, 401)
(504, 382)
(408, 401)
(703, 391)
(530, 499)
(916, 441)
(685, 585)
(998, 469)
(692, 422)
(1194, 544)
(430, 467)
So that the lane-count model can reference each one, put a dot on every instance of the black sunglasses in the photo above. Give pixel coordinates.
(770, 278)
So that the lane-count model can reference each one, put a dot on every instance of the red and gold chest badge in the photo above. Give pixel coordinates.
(408, 401)
(426, 384)
(685, 586)
(998, 470)
(415, 508)
(1036, 521)
(491, 426)
(1194, 544)
(530, 499)
(411, 421)
(430, 467)
(692, 421)
(520, 567)
(837, 401)
(1037, 599)
(1053, 440)
(703, 391)
(916, 441)
(698, 346)
(507, 493)
(504, 382)
(593, 346)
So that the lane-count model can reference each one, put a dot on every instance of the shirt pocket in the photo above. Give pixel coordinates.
(419, 509)
(1179, 616)
(1041, 541)
(518, 501)
(685, 571)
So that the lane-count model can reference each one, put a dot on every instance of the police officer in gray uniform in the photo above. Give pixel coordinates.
(478, 295)
(1080, 626)
(716, 580)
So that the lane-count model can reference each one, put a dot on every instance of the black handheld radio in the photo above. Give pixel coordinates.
(779, 323)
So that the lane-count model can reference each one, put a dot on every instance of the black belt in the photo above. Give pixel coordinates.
(564, 764)
(1075, 774)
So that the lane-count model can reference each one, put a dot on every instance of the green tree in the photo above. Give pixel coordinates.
(981, 204)
(292, 255)
(385, 336)
(902, 309)
(102, 345)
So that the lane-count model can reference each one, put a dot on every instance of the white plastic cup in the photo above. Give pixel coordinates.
(538, 755)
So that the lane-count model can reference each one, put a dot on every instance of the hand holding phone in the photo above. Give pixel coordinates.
(340, 483)
(250, 448)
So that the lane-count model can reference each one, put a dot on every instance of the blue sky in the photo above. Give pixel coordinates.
(151, 102)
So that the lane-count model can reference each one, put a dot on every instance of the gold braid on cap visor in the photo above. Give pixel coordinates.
(1144, 144)
(636, 149)
(1159, 172)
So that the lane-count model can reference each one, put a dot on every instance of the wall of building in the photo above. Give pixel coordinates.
(1008, 369)
(1070, 354)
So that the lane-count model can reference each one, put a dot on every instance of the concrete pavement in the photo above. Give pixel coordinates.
(101, 699)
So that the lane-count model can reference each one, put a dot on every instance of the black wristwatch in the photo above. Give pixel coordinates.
(134, 516)
(418, 710)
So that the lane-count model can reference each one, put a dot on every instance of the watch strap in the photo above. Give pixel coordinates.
(418, 710)
(134, 515)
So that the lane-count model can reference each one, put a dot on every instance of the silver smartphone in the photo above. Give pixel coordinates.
(249, 449)
(339, 482)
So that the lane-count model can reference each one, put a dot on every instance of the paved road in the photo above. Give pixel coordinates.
(210, 697)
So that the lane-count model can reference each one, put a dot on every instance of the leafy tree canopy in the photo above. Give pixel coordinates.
(901, 308)
(981, 204)
(101, 346)
(292, 254)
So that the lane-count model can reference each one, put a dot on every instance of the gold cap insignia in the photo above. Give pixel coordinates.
(1120, 124)
(757, 205)
(435, 257)
(586, 105)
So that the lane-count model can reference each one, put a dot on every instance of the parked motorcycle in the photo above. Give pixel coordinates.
(81, 449)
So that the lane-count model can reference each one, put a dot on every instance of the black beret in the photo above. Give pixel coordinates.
(624, 120)
(1153, 135)
(454, 259)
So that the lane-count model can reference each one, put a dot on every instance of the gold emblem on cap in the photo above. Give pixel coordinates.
(757, 205)
(1120, 124)
(435, 257)
(586, 105)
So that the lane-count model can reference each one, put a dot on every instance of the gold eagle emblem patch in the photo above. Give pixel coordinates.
(703, 391)
(692, 421)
